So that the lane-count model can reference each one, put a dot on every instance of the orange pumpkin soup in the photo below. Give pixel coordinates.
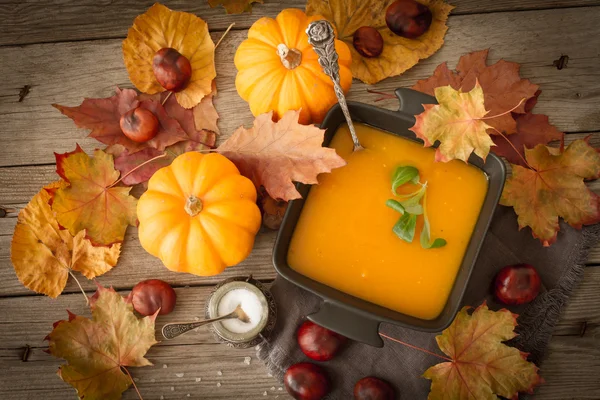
(344, 236)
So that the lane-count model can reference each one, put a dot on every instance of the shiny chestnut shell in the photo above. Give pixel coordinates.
(171, 69)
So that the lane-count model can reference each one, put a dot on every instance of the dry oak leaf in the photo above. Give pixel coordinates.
(399, 54)
(43, 254)
(91, 202)
(98, 349)
(457, 123)
(272, 210)
(234, 6)
(275, 154)
(532, 129)
(161, 28)
(125, 162)
(554, 188)
(481, 367)
(102, 116)
(502, 86)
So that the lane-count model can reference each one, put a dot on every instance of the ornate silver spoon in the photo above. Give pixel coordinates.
(322, 38)
(171, 331)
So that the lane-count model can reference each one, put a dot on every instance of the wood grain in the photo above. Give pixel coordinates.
(32, 129)
(51, 21)
(197, 355)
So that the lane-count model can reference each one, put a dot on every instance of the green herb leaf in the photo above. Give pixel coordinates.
(412, 204)
(405, 227)
(402, 175)
(395, 205)
(426, 242)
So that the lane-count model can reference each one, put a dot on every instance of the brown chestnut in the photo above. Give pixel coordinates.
(171, 69)
(139, 124)
(408, 18)
(368, 41)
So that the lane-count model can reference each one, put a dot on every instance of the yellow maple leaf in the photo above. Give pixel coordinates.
(457, 122)
(43, 254)
(161, 28)
(91, 201)
(399, 53)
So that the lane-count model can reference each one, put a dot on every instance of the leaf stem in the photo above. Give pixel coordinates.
(169, 93)
(87, 300)
(504, 113)
(225, 33)
(383, 95)
(415, 347)
(136, 168)
(515, 149)
(133, 382)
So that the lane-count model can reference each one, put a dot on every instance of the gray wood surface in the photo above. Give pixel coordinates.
(68, 50)
(37, 21)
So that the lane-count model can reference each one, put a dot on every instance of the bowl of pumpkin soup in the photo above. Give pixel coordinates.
(393, 236)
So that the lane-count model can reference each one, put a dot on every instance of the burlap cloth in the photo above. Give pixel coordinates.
(560, 266)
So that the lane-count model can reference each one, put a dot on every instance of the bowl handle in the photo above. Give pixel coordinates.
(411, 101)
(348, 323)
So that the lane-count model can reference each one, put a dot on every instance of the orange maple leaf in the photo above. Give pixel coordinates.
(457, 122)
(98, 349)
(480, 365)
(275, 154)
(91, 201)
(554, 187)
(503, 88)
(43, 254)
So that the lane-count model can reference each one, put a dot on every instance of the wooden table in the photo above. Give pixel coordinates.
(65, 52)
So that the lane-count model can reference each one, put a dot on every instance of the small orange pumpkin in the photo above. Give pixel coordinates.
(278, 69)
(199, 215)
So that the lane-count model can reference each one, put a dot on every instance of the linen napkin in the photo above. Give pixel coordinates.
(560, 267)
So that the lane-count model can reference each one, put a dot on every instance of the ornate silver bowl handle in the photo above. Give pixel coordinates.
(322, 38)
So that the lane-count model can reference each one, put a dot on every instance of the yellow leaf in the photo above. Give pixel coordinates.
(91, 201)
(161, 28)
(457, 123)
(399, 53)
(42, 253)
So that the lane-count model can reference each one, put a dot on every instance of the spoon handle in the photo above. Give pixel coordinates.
(171, 331)
(322, 38)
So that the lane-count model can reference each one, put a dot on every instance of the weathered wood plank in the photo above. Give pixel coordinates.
(569, 369)
(32, 129)
(28, 319)
(136, 264)
(36, 379)
(51, 21)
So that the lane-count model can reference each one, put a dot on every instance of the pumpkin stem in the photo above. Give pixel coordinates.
(290, 58)
(193, 206)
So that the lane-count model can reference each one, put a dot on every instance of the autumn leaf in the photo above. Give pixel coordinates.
(43, 254)
(554, 188)
(272, 210)
(481, 366)
(91, 202)
(234, 6)
(532, 129)
(205, 113)
(457, 122)
(399, 53)
(276, 154)
(161, 28)
(125, 162)
(502, 85)
(98, 349)
(102, 116)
